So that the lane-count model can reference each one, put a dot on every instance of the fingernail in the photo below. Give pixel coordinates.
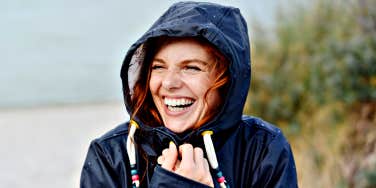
(172, 144)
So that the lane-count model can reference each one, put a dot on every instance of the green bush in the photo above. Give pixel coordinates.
(314, 75)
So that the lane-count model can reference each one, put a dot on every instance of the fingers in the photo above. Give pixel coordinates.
(207, 169)
(198, 156)
(193, 165)
(206, 177)
(206, 165)
(170, 156)
(177, 165)
(160, 160)
(187, 156)
(200, 161)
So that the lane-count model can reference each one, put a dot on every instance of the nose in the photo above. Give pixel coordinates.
(172, 80)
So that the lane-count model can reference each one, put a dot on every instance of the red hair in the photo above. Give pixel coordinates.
(142, 103)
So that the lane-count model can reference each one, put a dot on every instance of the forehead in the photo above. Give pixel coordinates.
(184, 48)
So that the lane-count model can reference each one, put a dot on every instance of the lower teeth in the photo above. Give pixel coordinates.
(176, 109)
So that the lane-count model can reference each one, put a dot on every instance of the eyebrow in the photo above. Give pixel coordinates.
(185, 61)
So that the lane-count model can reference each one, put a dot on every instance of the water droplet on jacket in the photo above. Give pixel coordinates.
(89, 163)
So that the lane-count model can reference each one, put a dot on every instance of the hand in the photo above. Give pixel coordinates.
(192, 165)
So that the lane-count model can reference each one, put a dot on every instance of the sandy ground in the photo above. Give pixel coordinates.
(46, 147)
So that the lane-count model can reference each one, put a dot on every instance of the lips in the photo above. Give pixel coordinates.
(178, 105)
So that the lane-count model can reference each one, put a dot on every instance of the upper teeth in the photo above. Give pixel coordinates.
(177, 102)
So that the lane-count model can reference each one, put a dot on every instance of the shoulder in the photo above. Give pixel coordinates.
(259, 125)
(114, 138)
(275, 166)
(257, 128)
(119, 131)
(106, 160)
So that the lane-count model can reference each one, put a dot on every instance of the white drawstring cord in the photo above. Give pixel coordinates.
(131, 150)
(210, 151)
(212, 158)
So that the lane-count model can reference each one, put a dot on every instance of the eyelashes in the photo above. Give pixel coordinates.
(156, 67)
(189, 68)
(192, 68)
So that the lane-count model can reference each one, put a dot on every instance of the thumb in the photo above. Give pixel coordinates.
(171, 157)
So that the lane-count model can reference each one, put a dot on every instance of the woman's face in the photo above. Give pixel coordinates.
(181, 75)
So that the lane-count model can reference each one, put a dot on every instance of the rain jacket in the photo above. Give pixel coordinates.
(250, 151)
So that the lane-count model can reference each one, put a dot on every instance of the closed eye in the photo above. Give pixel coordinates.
(193, 68)
(156, 67)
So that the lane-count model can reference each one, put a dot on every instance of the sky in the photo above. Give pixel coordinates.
(70, 51)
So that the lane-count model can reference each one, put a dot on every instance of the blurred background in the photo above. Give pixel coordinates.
(314, 75)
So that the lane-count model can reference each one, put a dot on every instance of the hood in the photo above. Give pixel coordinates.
(222, 26)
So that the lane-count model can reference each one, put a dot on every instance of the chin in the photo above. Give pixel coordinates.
(178, 129)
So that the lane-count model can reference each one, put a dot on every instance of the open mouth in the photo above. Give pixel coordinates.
(177, 105)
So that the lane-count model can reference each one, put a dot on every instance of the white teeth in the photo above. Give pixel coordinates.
(177, 102)
(175, 109)
(174, 102)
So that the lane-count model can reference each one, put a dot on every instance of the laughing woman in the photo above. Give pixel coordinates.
(185, 83)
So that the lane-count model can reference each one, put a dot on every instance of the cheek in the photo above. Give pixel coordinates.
(199, 86)
(214, 99)
(153, 85)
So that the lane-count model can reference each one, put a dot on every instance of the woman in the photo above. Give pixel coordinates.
(185, 83)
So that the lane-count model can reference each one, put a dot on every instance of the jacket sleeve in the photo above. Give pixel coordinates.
(98, 171)
(163, 178)
(277, 169)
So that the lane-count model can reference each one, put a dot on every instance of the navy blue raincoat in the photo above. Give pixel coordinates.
(250, 151)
